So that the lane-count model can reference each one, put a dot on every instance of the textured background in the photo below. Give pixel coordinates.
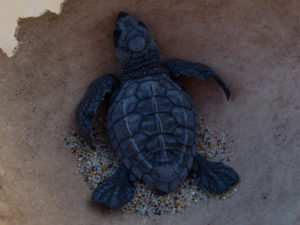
(11, 10)
(253, 45)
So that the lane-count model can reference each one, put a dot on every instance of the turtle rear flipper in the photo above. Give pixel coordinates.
(214, 176)
(117, 190)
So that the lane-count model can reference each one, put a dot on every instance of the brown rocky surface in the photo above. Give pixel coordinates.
(253, 45)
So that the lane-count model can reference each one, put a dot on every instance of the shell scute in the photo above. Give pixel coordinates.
(145, 107)
(150, 88)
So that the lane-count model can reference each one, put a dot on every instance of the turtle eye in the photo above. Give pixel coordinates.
(117, 34)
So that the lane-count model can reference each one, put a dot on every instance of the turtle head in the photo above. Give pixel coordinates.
(133, 42)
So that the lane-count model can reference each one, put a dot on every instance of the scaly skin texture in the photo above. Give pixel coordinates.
(117, 190)
(151, 121)
(180, 67)
(89, 104)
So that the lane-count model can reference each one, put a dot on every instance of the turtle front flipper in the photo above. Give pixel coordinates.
(214, 176)
(117, 190)
(180, 67)
(90, 102)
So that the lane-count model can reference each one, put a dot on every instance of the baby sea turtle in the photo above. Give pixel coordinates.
(151, 121)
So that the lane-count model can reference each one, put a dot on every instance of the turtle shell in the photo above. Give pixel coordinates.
(153, 127)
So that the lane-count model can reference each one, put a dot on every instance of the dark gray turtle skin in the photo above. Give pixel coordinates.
(151, 121)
